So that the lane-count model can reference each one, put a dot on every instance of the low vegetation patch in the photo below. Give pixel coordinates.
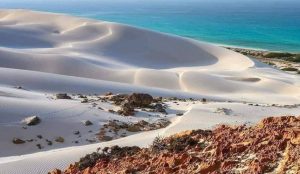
(278, 55)
(289, 69)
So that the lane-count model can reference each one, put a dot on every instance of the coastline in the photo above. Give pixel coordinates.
(54, 109)
(260, 53)
(239, 46)
(286, 61)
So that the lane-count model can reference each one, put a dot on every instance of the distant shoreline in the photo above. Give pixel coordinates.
(250, 51)
(289, 62)
(256, 52)
(237, 47)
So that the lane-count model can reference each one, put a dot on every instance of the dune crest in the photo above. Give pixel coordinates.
(42, 54)
(77, 47)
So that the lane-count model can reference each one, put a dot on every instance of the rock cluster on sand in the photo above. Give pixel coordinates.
(140, 99)
(117, 126)
(272, 146)
(129, 102)
(126, 109)
(159, 108)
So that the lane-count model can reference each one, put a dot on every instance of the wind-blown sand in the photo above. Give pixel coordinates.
(47, 53)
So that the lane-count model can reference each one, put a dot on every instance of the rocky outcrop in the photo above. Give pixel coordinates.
(271, 146)
(159, 108)
(140, 99)
(126, 109)
(129, 102)
(117, 99)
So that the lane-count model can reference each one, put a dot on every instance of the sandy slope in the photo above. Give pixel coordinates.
(49, 53)
(64, 45)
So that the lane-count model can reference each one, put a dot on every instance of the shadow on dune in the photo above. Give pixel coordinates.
(148, 49)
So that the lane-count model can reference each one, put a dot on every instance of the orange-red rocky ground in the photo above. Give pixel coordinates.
(271, 146)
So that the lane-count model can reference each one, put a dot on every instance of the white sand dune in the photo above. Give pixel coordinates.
(46, 53)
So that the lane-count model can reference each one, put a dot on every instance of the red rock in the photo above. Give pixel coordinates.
(220, 151)
(55, 171)
(87, 171)
(207, 167)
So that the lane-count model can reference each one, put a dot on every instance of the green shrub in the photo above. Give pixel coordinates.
(293, 59)
(278, 55)
(270, 63)
(289, 69)
(158, 144)
(297, 58)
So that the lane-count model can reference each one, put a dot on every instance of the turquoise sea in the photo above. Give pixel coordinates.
(261, 24)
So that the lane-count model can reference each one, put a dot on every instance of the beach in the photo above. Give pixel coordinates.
(66, 79)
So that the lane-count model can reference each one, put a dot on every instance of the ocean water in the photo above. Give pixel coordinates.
(260, 24)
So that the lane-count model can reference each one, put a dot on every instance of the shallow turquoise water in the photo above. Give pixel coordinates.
(265, 24)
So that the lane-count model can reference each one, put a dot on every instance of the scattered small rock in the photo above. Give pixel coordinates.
(142, 123)
(39, 146)
(133, 128)
(87, 123)
(76, 132)
(62, 96)
(223, 111)
(60, 139)
(118, 99)
(49, 143)
(159, 108)
(90, 141)
(111, 111)
(81, 96)
(18, 141)
(157, 99)
(126, 109)
(108, 93)
(85, 100)
(32, 120)
(19, 87)
(105, 138)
